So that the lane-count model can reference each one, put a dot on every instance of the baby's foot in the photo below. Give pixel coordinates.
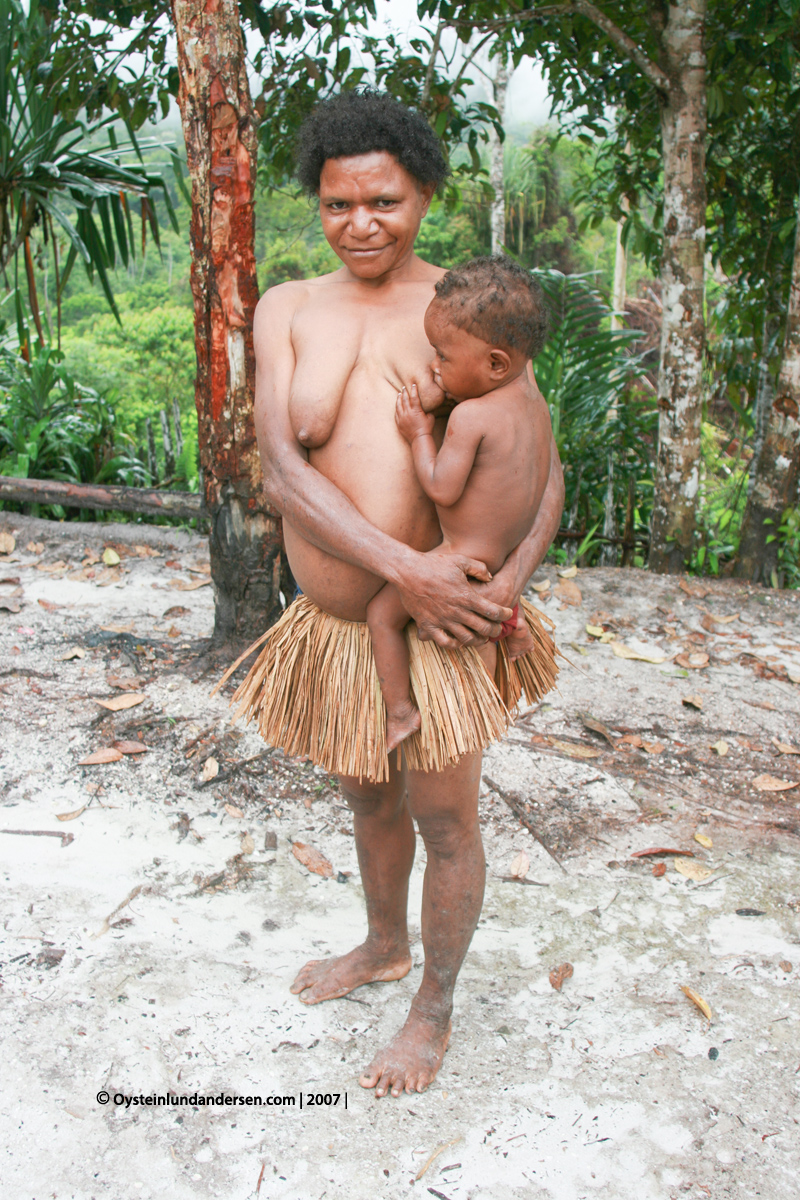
(400, 723)
(520, 641)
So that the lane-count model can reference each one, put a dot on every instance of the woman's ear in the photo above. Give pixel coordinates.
(426, 192)
(499, 363)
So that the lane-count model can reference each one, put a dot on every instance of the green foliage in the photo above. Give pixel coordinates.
(447, 238)
(788, 550)
(54, 428)
(721, 502)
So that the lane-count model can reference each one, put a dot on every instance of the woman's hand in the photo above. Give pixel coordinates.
(447, 608)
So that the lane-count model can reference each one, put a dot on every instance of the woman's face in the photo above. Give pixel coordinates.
(371, 209)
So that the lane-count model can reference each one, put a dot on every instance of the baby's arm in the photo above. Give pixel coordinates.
(444, 475)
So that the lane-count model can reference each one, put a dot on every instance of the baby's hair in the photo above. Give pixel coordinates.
(363, 120)
(498, 301)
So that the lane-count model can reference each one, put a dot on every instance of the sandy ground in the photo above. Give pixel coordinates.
(150, 954)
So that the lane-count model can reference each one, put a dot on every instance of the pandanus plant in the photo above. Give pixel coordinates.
(61, 170)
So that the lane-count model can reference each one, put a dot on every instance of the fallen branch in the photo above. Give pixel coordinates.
(518, 807)
(183, 505)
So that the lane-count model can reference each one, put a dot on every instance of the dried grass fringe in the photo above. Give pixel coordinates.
(314, 691)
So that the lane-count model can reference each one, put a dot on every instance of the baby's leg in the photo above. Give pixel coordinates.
(387, 618)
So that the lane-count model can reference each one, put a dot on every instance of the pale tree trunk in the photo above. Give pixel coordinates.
(680, 377)
(775, 478)
(618, 294)
(497, 147)
(219, 128)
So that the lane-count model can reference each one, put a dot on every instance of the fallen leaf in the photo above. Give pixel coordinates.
(659, 869)
(7, 542)
(794, 675)
(785, 965)
(12, 606)
(720, 747)
(35, 547)
(568, 592)
(129, 683)
(544, 586)
(110, 557)
(574, 750)
(72, 652)
(589, 722)
(693, 702)
(118, 703)
(70, 816)
(650, 656)
(48, 605)
(177, 610)
(248, 845)
(768, 783)
(520, 865)
(312, 859)
(692, 662)
(703, 1005)
(52, 568)
(559, 974)
(658, 850)
(210, 770)
(704, 840)
(692, 869)
(118, 628)
(107, 577)
(233, 811)
(784, 747)
(595, 631)
(568, 572)
(653, 747)
(722, 620)
(107, 755)
(631, 739)
(693, 589)
(147, 552)
(188, 585)
(10, 581)
(130, 747)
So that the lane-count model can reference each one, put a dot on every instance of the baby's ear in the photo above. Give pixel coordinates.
(499, 362)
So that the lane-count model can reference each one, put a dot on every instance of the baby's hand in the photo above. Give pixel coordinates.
(411, 420)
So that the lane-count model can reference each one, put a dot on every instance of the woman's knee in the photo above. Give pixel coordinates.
(366, 799)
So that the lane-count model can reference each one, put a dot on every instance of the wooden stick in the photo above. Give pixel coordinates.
(184, 505)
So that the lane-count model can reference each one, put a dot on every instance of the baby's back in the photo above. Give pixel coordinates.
(502, 494)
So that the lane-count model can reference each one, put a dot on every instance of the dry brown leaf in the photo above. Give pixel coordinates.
(693, 702)
(784, 747)
(559, 974)
(649, 656)
(233, 811)
(130, 747)
(35, 547)
(72, 652)
(693, 661)
(70, 816)
(589, 722)
(574, 750)
(568, 592)
(108, 754)
(110, 557)
(568, 572)
(653, 747)
(659, 869)
(188, 585)
(520, 865)
(128, 683)
(690, 868)
(312, 859)
(118, 703)
(653, 850)
(703, 1005)
(723, 620)
(693, 589)
(544, 586)
(785, 965)
(248, 845)
(107, 577)
(631, 739)
(210, 770)
(147, 552)
(48, 605)
(118, 628)
(720, 747)
(177, 610)
(704, 840)
(7, 542)
(52, 568)
(769, 783)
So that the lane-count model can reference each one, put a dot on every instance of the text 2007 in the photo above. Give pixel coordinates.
(327, 1098)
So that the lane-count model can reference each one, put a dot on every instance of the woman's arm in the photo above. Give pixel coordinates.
(433, 588)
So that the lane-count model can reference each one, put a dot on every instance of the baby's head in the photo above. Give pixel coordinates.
(486, 320)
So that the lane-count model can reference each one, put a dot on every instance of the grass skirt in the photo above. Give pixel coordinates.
(314, 691)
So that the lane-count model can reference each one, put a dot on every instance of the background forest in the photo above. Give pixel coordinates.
(98, 366)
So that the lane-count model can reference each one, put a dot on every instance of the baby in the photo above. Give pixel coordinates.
(485, 324)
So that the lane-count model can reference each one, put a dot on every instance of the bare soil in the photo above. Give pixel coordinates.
(154, 913)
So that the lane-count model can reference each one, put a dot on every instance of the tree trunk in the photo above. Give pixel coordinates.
(219, 128)
(775, 480)
(497, 174)
(680, 376)
(107, 497)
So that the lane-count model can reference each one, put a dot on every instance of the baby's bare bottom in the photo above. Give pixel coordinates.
(387, 618)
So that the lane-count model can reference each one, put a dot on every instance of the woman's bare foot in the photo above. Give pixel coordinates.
(330, 978)
(400, 723)
(411, 1060)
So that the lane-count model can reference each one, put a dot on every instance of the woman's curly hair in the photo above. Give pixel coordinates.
(498, 301)
(359, 122)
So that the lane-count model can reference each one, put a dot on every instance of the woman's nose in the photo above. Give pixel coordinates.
(362, 222)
